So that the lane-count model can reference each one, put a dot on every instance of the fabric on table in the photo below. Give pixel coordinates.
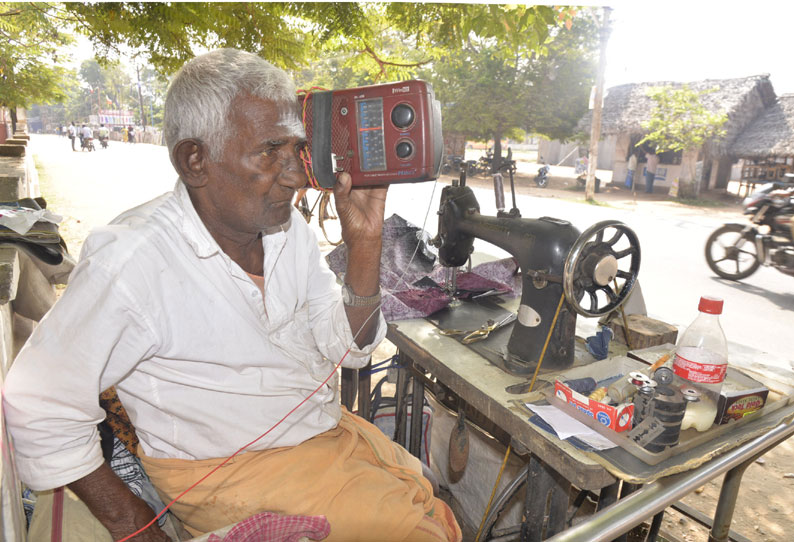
(368, 487)
(403, 293)
(271, 527)
(118, 420)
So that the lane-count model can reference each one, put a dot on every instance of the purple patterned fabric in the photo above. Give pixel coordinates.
(402, 297)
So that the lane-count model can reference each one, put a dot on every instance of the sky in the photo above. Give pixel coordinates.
(673, 40)
(677, 40)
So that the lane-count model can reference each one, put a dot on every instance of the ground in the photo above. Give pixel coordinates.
(89, 189)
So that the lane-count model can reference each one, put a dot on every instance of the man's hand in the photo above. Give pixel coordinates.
(116, 507)
(360, 213)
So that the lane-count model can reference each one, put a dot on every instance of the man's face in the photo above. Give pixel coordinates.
(252, 185)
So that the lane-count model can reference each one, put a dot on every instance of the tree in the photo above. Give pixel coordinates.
(29, 55)
(490, 91)
(680, 122)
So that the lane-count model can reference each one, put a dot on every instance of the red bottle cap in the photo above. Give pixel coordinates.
(710, 305)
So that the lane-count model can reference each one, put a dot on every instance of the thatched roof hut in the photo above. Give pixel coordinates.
(770, 135)
(626, 107)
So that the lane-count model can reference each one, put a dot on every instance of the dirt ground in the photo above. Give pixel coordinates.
(765, 508)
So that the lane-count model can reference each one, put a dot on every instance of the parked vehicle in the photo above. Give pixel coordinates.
(736, 251)
(452, 164)
(542, 178)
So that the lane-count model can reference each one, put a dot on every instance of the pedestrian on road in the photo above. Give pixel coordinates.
(131, 134)
(632, 166)
(211, 313)
(73, 134)
(650, 170)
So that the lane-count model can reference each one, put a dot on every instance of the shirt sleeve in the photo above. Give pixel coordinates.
(328, 319)
(93, 336)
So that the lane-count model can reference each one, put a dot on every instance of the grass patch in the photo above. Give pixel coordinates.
(598, 203)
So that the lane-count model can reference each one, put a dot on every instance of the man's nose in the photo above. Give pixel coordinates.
(293, 173)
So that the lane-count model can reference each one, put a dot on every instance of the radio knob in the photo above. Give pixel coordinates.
(404, 149)
(403, 116)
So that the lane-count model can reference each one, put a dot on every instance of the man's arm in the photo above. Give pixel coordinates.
(115, 506)
(361, 216)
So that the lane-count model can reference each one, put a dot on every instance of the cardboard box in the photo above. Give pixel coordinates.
(618, 418)
(740, 396)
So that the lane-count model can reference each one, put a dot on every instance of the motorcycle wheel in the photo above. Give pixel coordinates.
(542, 181)
(731, 255)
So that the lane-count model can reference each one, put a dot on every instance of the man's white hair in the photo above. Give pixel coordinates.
(201, 93)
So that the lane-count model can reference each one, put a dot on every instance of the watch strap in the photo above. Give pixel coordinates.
(352, 300)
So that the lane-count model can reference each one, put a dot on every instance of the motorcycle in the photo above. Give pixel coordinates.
(103, 141)
(736, 251)
(88, 144)
(580, 169)
(542, 178)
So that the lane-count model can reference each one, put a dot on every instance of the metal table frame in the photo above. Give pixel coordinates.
(547, 491)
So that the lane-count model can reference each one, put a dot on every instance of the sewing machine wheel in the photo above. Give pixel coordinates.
(605, 252)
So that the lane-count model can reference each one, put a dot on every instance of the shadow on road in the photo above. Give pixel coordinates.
(784, 301)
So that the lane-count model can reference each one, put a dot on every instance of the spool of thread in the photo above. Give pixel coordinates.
(598, 394)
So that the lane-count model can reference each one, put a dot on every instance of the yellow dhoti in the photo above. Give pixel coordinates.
(369, 488)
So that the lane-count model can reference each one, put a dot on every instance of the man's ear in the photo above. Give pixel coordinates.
(190, 160)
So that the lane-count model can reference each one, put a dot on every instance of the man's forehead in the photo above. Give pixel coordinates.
(291, 122)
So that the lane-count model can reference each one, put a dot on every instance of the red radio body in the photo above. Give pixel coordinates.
(379, 134)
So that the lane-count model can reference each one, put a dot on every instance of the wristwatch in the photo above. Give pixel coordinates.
(352, 300)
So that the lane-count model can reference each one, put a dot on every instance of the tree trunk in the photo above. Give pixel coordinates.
(687, 188)
(497, 151)
(595, 128)
(13, 112)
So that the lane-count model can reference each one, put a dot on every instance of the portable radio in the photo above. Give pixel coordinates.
(379, 134)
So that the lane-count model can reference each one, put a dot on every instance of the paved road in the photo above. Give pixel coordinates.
(92, 188)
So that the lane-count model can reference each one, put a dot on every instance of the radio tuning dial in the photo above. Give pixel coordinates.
(404, 149)
(403, 115)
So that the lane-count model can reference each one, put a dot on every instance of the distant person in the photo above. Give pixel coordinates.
(73, 134)
(650, 170)
(85, 136)
(103, 134)
(131, 134)
(632, 167)
(124, 134)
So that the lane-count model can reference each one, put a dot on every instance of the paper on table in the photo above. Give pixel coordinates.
(565, 426)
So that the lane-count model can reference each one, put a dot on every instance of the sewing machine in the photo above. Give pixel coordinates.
(564, 273)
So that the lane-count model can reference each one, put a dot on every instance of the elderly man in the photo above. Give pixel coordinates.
(211, 312)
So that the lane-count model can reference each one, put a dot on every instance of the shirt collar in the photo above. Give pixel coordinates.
(198, 236)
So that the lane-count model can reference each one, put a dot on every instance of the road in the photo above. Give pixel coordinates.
(89, 189)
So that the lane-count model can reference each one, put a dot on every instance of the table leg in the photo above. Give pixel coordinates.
(720, 531)
(400, 393)
(417, 413)
(349, 384)
(364, 387)
(626, 489)
(546, 502)
(608, 495)
(656, 525)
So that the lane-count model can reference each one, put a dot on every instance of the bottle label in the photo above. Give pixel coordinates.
(702, 373)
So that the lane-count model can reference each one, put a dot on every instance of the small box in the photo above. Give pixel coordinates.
(617, 418)
(740, 396)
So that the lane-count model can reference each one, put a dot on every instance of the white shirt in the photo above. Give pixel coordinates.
(72, 130)
(201, 364)
(87, 132)
(632, 162)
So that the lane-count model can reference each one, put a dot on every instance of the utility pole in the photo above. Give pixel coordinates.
(595, 127)
(140, 97)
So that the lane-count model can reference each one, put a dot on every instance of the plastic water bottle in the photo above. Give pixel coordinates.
(701, 359)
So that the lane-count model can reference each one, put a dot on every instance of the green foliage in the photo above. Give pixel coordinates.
(489, 91)
(679, 121)
(29, 55)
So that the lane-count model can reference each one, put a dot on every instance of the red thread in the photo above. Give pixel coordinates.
(163, 511)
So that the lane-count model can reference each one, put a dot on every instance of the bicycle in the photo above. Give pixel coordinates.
(326, 214)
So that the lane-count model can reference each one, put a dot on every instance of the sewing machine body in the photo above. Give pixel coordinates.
(559, 267)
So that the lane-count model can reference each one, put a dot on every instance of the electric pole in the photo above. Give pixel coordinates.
(140, 96)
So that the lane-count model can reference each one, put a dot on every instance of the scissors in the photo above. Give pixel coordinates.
(481, 333)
